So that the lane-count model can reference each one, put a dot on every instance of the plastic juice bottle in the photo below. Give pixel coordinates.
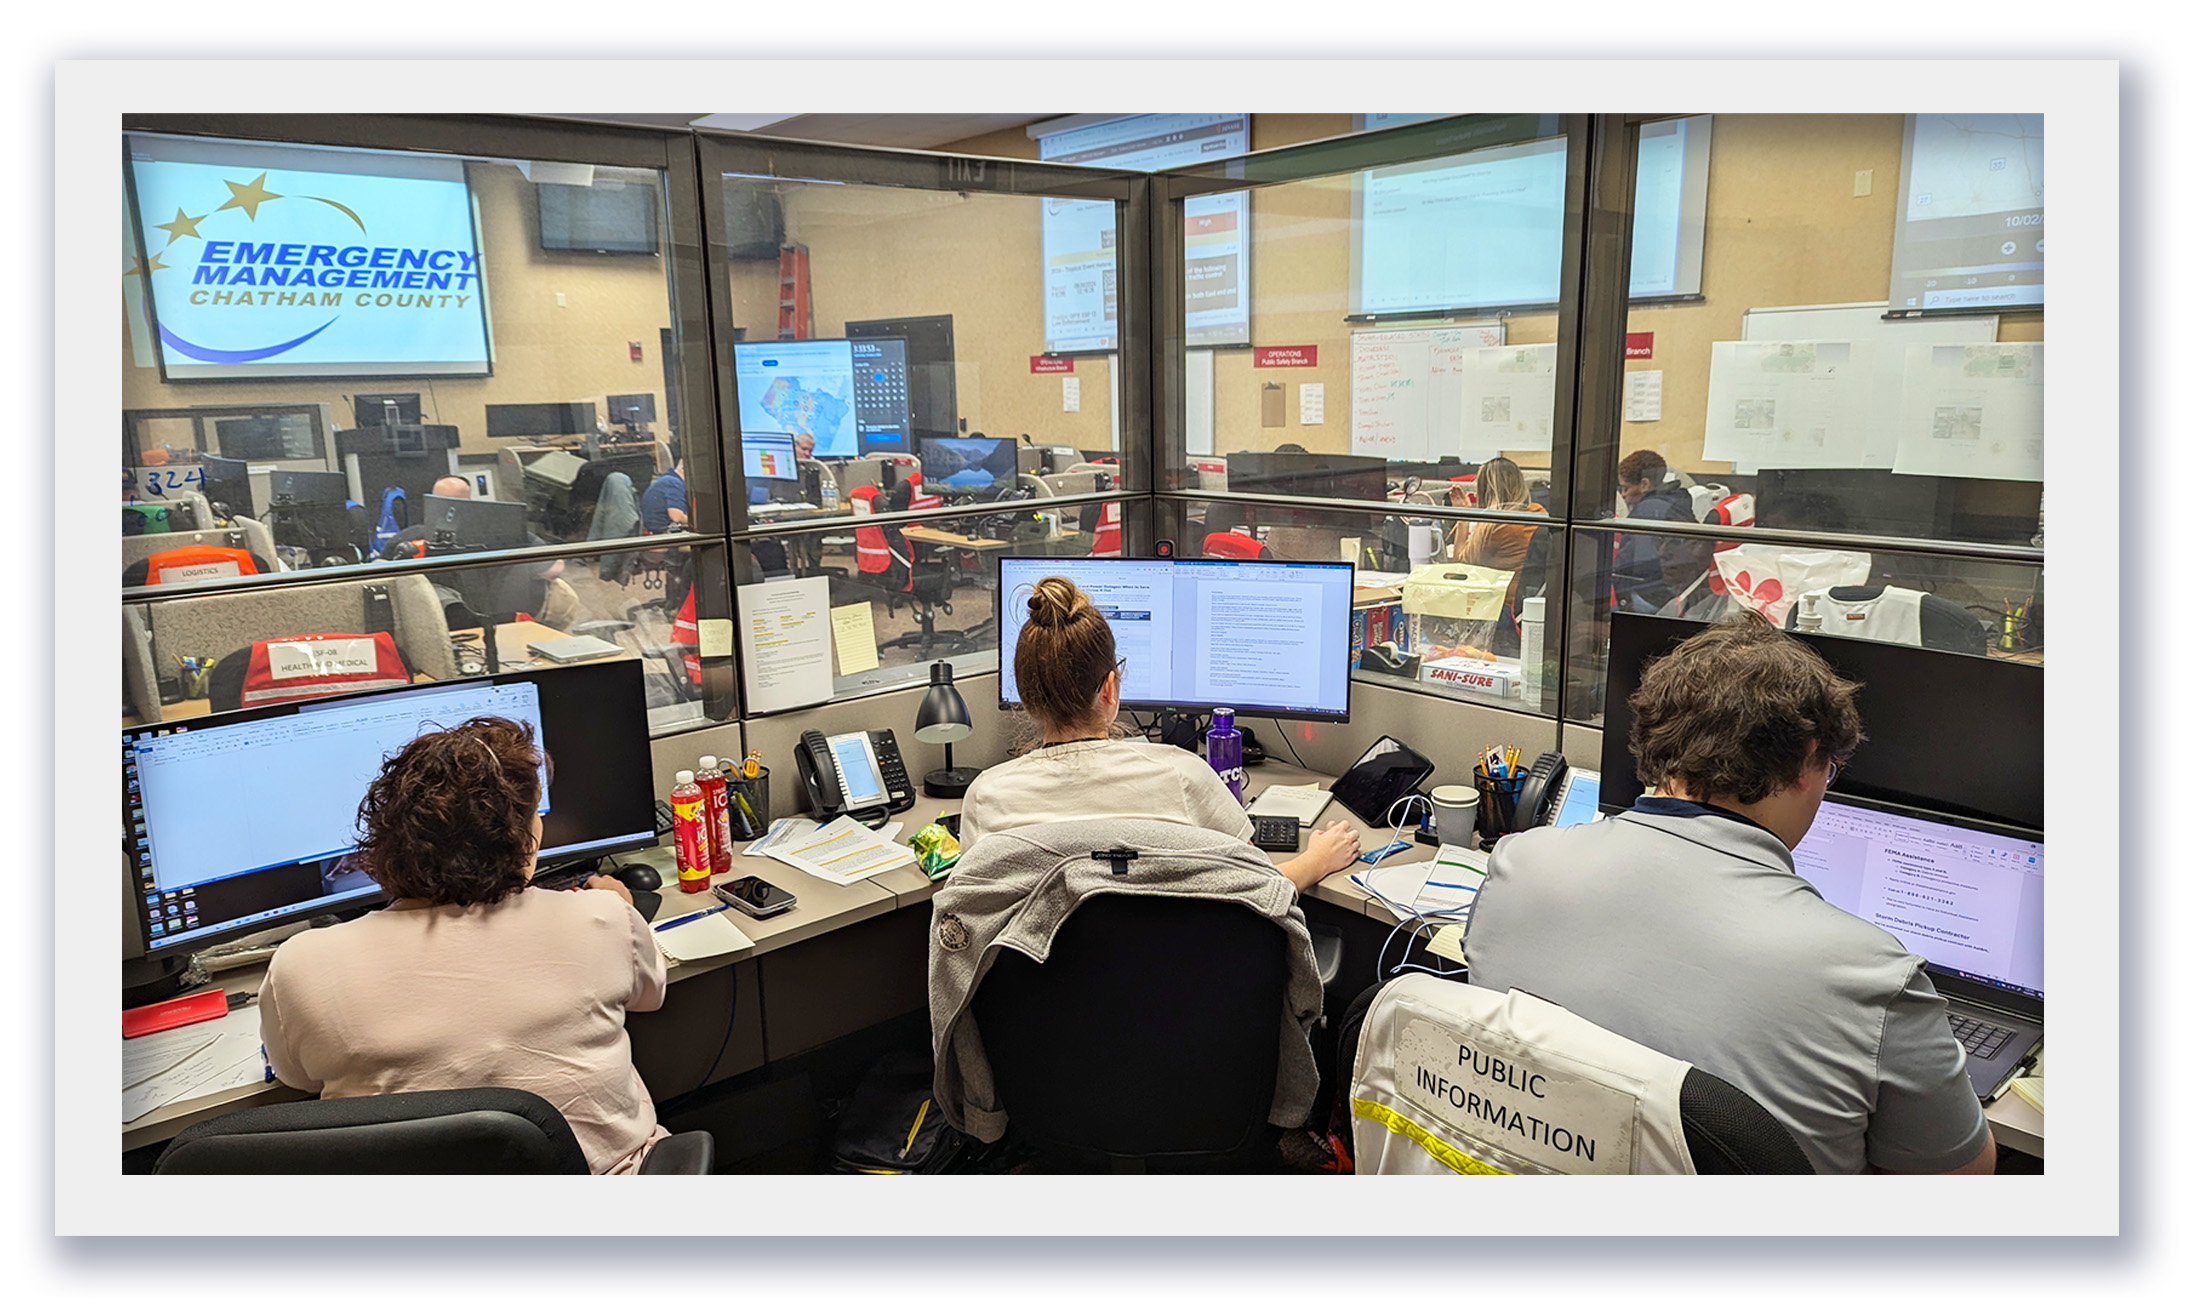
(715, 786)
(694, 845)
(1226, 752)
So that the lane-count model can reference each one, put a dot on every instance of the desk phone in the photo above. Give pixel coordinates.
(859, 773)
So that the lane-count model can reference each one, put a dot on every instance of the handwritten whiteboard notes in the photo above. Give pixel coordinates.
(1406, 388)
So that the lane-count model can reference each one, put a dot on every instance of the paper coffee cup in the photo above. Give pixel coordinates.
(1455, 806)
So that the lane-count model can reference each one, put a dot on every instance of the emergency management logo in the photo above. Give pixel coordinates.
(256, 264)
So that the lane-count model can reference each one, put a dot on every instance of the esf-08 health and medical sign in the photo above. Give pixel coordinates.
(262, 272)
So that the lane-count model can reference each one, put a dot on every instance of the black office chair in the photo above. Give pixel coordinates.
(1147, 1041)
(484, 1130)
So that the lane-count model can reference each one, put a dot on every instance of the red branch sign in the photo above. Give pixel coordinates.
(1054, 364)
(1640, 347)
(1284, 358)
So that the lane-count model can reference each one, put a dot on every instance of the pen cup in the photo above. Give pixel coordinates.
(1456, 806)
(1499, 804)
(748, 810)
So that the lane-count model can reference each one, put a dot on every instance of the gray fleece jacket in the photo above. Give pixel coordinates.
(1016, 887)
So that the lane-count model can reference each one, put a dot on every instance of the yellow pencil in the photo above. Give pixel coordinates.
(916, 1123)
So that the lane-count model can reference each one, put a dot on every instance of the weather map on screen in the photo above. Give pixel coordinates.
(799, 387)
(288, 262)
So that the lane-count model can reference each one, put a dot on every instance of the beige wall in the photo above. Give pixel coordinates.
(562, 325)
(881, 252)
(1784, 229)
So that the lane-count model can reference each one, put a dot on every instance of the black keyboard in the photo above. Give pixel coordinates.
(1981, 1040)
(1276, 833)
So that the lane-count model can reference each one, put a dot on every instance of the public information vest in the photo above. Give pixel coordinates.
(1456, 1078)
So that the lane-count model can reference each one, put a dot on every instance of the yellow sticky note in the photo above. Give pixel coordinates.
(1447, 942)
(854, 643)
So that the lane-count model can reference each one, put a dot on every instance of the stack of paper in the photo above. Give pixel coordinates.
(197, 1059)
(841, 851)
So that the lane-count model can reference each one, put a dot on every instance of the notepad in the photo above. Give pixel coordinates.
(702, 939)
(2030, 1089)
(1303, 801)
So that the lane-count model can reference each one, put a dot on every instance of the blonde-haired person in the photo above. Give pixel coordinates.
(1500, 485)
(1070, 680)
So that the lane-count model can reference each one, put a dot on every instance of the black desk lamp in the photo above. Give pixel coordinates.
(943, 719)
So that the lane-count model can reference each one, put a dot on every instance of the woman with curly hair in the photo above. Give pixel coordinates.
(468, 977)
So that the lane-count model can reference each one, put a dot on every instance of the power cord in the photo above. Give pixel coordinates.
(1288, 745)
(727, 1032)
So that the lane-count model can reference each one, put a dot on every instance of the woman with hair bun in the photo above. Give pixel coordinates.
(1071, 681)
(468, 977)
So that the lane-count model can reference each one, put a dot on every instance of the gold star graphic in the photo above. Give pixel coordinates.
(180, 226)
(247, 197)
(137, 266)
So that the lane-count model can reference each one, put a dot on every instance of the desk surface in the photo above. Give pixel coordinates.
(824, 907)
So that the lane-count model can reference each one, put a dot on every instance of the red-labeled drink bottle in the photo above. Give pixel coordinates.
(694, 844)
(715, 786)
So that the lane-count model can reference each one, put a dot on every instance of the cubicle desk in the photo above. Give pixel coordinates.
(2016, 1123)
(851, 956)
(836, 963)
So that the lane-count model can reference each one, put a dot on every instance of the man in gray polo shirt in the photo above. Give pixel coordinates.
(1682, 925)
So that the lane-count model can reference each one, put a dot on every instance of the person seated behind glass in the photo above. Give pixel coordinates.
(1501, 485)
(1071, 681)
(1636, 558)
(1684, 924)
(468, 977)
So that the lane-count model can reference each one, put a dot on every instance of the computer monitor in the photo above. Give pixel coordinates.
(769, 455)
(881, 386)
(288, 436)
(310, 509)
(799, 387)
(534, 420)
(1964, 895)
(453, 523)
(968, 463)
(387, 409)
(1946, 731)
(227, 483)
(631, 408)
(1265, 639)
(930, 362)
(246, 820)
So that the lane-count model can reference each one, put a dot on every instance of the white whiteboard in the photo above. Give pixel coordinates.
(1405, 388)
(1878, 379)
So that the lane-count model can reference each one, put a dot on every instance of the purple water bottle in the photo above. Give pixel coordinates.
(1226, 752)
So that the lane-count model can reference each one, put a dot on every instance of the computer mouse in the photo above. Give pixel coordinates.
(639, 877)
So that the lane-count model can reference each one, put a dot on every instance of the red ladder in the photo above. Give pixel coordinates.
(796, 317)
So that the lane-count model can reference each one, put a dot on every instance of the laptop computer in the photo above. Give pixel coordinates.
(1964, 895)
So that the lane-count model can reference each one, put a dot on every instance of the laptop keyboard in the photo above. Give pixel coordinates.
(1981, 1040)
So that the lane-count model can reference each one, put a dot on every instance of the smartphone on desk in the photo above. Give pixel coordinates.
(755, 896)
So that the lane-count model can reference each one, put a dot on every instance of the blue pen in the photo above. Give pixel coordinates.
(685, 919)
(267, 1062)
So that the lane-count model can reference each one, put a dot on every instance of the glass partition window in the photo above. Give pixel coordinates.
(1942, 603)
(1403, 323)
(1798, 392)
(928, 589)
(188, 656)
(898, 348)
(1429, 612)
(328, 343)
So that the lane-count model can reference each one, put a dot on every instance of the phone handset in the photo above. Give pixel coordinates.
(816, 765)
(1536, 796)
(860, 772)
